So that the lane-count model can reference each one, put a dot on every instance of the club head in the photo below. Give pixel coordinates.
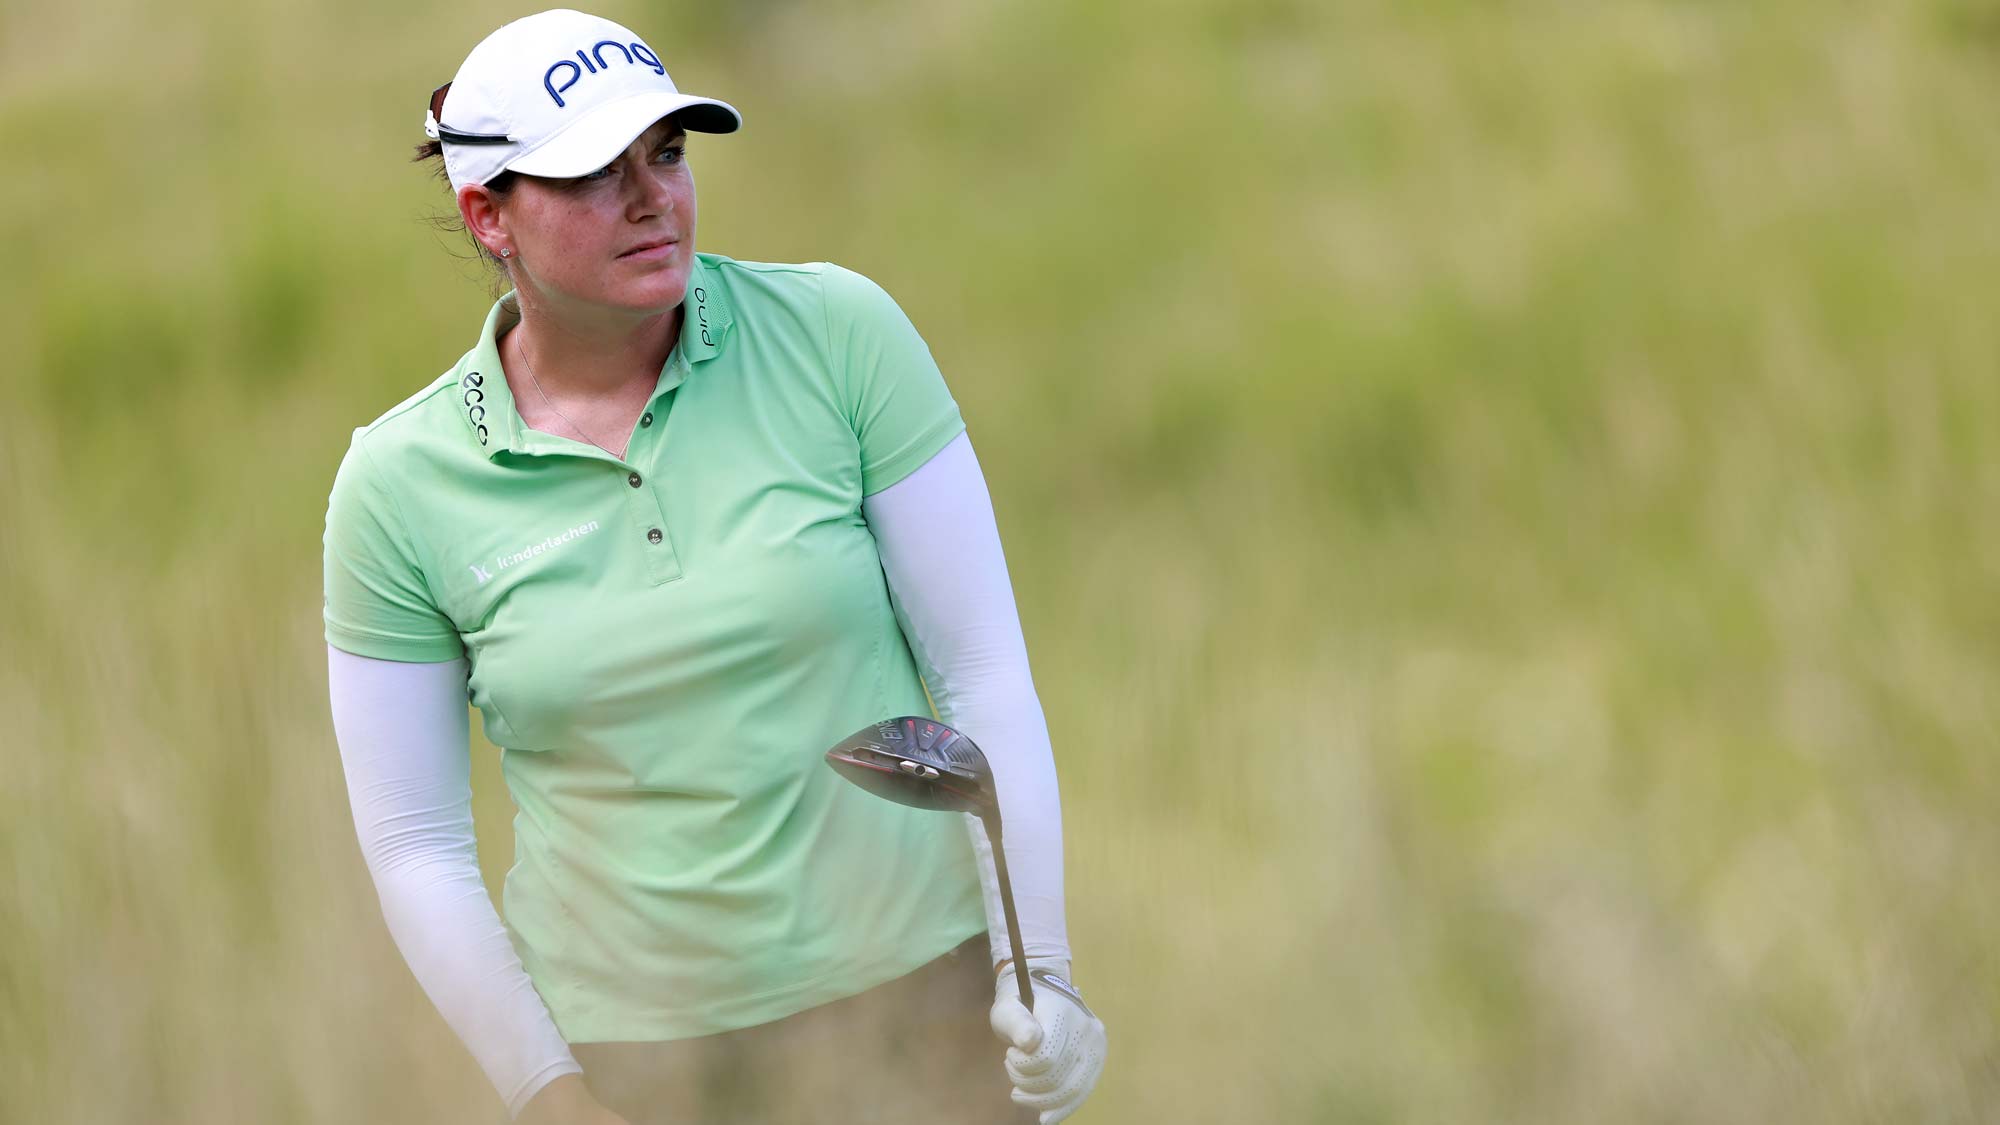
(924, 764)
(918, 762)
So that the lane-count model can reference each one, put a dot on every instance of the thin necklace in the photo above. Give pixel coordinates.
(522, 347)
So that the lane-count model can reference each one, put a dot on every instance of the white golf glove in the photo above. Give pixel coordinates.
(1055, 1052)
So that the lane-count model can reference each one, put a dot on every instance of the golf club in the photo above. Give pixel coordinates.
(925, 764)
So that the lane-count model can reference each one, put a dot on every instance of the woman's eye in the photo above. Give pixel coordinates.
(671, 154)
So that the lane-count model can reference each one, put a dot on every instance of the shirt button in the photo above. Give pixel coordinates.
(646, 419)
(634, 478)
(654, 536)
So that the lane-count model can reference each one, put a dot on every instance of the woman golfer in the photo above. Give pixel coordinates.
(676, 524)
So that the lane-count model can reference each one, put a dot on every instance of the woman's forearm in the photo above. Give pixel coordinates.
(948, 579)
(403, 730)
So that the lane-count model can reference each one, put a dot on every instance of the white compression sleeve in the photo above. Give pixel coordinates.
(948, 582)
(403, 732)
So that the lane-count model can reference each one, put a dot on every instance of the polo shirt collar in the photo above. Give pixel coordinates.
(709, 315)
(487, 405)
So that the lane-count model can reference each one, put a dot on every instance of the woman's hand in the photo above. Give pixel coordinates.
(1056, 1052)
(566, 1101)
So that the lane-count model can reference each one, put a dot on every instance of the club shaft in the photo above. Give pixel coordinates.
(992, 822)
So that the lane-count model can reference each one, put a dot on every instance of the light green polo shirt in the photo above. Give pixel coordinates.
(665, 646)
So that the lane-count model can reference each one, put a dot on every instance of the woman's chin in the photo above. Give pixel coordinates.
(658, 291)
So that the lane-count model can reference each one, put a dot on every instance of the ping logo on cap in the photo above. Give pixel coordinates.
(593, 62)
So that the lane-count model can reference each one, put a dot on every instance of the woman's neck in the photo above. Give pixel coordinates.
(593, 355)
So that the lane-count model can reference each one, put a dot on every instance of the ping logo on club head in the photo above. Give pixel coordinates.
(594, 62)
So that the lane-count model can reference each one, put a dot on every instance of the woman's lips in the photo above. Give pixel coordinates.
(649, 253)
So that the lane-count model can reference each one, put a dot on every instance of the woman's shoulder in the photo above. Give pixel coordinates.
(423, 412)
(824, 300)
(728, 266)
(411, 409)
(816, 278)
(418, 434)
(446, 409)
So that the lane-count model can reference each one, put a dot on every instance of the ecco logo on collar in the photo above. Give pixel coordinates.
(636, 52)
(475, 406)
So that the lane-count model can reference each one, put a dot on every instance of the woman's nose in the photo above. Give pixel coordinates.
(650, 191)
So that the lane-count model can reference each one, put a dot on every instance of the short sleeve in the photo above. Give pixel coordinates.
(377, 601)
(894, 394)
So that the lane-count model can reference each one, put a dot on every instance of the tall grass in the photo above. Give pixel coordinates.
(1501, 498)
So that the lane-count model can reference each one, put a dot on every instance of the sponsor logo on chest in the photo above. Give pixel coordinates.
(531, 552)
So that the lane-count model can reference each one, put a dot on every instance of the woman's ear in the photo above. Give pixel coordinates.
(480, 209)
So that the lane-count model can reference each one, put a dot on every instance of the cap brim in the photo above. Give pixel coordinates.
(595, 139)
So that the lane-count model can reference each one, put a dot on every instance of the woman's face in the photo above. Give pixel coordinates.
(620, 238)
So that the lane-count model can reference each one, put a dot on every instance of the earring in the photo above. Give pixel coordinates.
(504, 251)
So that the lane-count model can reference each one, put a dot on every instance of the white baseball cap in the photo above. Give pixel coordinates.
(558, 93)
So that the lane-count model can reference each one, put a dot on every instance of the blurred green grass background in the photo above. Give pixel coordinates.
(1501, 498)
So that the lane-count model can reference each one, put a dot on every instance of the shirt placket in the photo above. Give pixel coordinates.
(647, 515)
